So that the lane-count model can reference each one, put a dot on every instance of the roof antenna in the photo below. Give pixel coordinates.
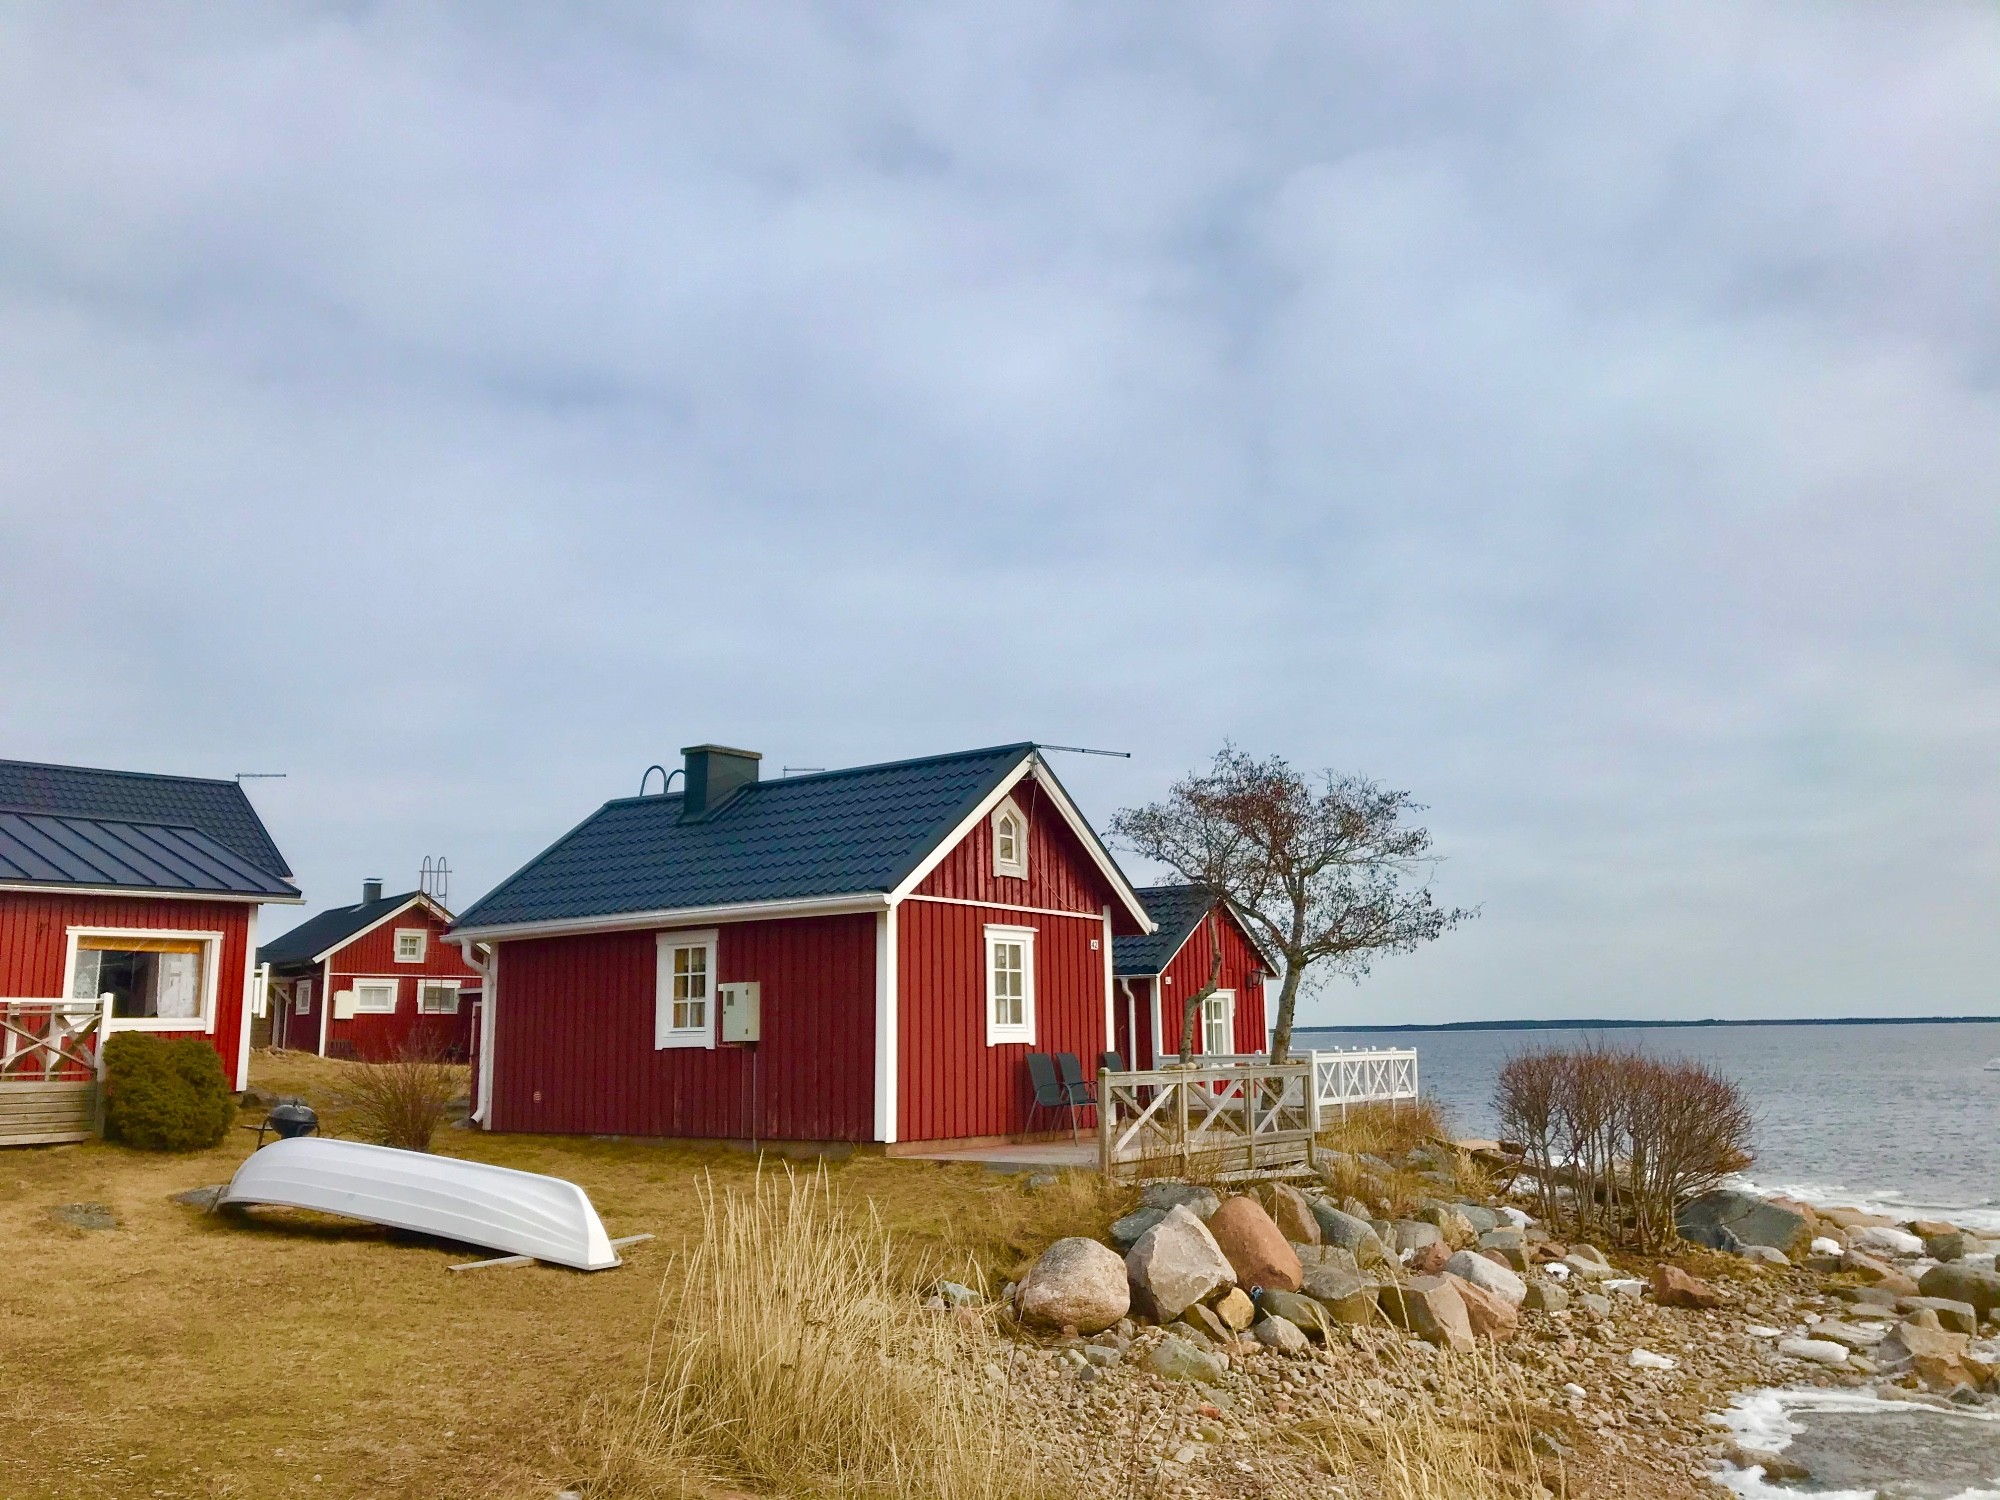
(803, 770)
(260, 775)
(1086, 750)
(666, 778)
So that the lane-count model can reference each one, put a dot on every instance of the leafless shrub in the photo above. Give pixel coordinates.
(1615, 1140)
(406, 1098)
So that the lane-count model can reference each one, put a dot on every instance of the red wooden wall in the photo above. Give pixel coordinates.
(34, 938)
(574, 1046)
(373, 956)
(1188, 972)
(1061, 874)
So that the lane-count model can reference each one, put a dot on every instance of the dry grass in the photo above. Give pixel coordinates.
(404, 1100)
(1390, 1133)
(191, 1355)
(792, 1356)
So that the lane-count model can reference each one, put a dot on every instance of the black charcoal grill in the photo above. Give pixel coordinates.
(289, 1119)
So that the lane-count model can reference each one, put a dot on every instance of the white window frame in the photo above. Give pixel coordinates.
(423, 937)
(427, 981)
(302, 998)
(1018, 865)
(1010, 1035)
(211, 973)
(377, 981)
(665, 1033)
(1227, 1018)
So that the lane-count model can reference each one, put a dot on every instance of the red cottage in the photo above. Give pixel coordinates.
(363, 980)
(1157, 971)
(136, 891)
(858, 955)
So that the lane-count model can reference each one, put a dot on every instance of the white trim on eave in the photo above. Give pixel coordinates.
(683, 916)
(144, 892)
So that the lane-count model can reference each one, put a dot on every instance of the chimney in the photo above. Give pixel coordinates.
(371, 889)
(713, 772)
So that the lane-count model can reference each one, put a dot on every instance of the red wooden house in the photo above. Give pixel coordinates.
(362, 981)
(1157, 971)
(856, 955)
(138, 887)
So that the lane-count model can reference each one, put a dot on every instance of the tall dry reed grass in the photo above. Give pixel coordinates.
(792, 1357)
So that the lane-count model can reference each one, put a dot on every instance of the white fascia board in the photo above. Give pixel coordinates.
(1099, 855)
(146, 892)
(419, 899)
(683, 916)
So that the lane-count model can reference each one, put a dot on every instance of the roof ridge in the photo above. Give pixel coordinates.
(50, 765)
(880, 765)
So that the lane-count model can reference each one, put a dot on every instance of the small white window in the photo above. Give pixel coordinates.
(302, 997)
(684, 998)
(437, 997)
(375, 996)
(1218, 1023)
(1010, 985)
(412, 944)
(1010, 841)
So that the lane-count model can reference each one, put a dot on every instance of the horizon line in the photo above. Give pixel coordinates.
(1630, 1025)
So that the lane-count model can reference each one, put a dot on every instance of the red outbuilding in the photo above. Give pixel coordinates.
(1157, 971)
(365, 981)
(132, 895)
(856, 955)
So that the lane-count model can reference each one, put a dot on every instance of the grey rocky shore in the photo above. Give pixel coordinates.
(1226, 1341)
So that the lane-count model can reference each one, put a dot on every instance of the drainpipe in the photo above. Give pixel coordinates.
(487, 973)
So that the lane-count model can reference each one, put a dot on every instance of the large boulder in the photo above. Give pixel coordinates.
(1290, 1211)
(1125, 1232)
(1959, 1317)
(1725, 1218)
(1176, 1264)
(1341, 1230)
(1347, 1297)
(1431, 1308)
(1300, 1311)
(1488, 1276)
(1878, 1273)
(1963, 1283)
(1199, 1201)
(1078, 1284)
(1254, 1246)
(1407, 1235)
(1490, 1316)
(1673, 1287)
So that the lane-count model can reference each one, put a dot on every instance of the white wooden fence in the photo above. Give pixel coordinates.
(1238, 1114)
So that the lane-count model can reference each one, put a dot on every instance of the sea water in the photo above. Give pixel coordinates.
(1903, 1120)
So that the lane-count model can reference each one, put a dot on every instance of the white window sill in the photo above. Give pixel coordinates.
(683, 1039)
(162, 1023)
(1010, 1037)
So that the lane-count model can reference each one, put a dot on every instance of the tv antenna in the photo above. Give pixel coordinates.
(260, 775)
(1086, 750)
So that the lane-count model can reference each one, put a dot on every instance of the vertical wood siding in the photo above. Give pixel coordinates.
(34, 937)
(373, 956)
(574, 1047)
(951, 1083)
(1061, 874)
(1189, 972)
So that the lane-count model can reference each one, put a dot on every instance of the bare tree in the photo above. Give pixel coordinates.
(1328, 872)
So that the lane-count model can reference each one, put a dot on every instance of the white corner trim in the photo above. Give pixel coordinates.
(887, 1022)
(325, 1001)
(1158, 1055)
(665, 1033)
(249, 997)
(1010, 1035)
(1110, 992)
(489, 994)
(211, 975)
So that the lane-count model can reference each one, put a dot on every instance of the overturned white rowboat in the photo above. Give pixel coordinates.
(522, 1213)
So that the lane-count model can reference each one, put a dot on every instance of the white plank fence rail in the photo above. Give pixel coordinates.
(1238, 1114)
(52, 1069)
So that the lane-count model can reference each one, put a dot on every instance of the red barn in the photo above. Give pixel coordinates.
(856, 955)
(364, 980)
(1157, 971)
(140, 888)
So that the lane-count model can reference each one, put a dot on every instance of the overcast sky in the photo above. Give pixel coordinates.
(1585, 416)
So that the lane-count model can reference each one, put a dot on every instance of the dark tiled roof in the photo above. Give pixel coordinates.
(329, 929)
(1176, 909)
(48, 849)
(218, 808)
(832, 834)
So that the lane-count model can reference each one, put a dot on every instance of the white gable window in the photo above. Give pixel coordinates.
(684, 997)
(1218, 1023)
(437, 997)
(412, 944)
(1010, 985)
(302, 998)
(376, 997)
(1010, 840)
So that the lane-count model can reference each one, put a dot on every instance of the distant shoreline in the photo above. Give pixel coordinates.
(1664, 1025)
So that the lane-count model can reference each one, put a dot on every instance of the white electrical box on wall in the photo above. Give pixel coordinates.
(343, 1005)
(740, 1004)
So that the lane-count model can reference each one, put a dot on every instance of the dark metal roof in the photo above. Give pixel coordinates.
(56, 851)
(330, 929)
(1176, 909)
(217, 808)
(832, 834)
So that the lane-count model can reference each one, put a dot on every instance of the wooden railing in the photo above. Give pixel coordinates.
(1218, 1119)
(1363, 1076)
(52, 1069)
